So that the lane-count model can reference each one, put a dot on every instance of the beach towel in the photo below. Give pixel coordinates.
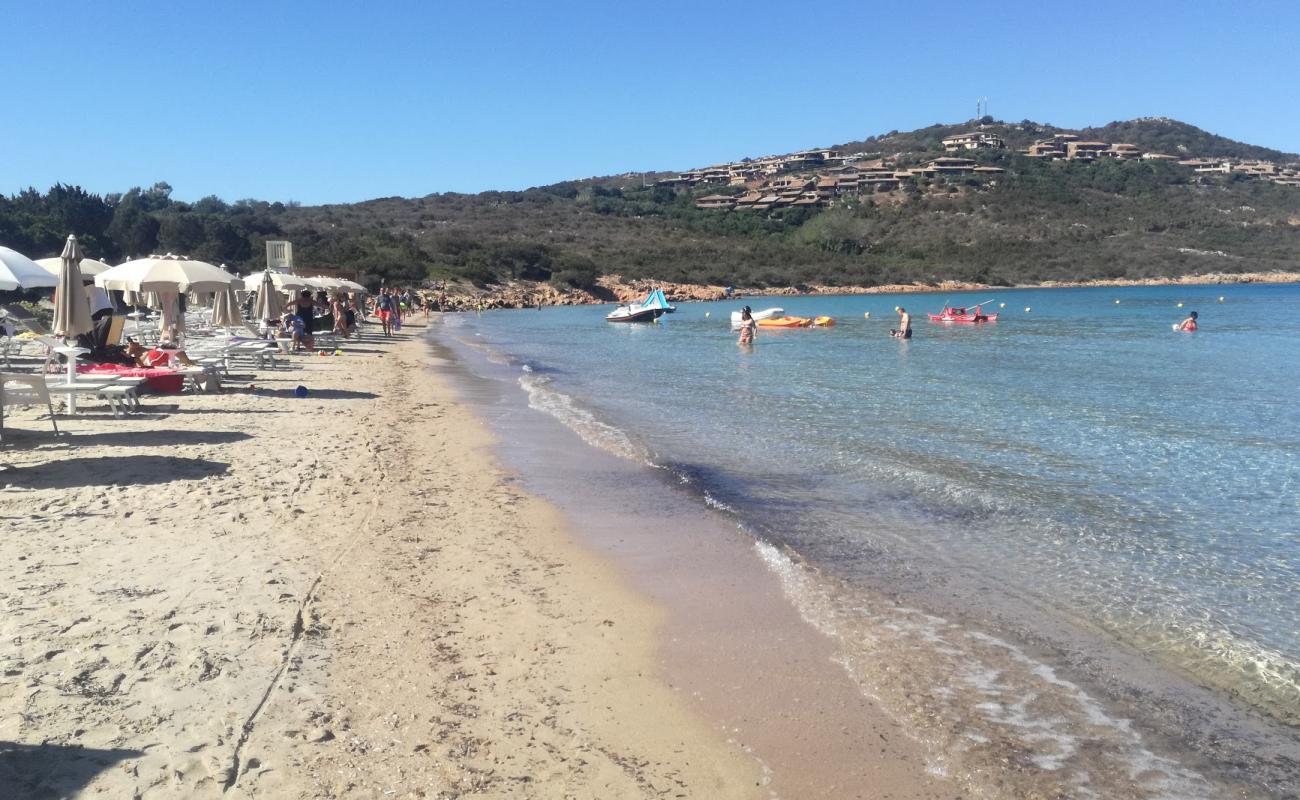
(163, 381)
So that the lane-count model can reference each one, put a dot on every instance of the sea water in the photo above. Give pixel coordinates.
(1052, 540)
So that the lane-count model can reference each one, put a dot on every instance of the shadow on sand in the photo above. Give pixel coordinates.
(159, 438)
(319, 394)
(62, 473)
(52, 771)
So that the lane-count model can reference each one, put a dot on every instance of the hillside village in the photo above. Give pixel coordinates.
(818, 178)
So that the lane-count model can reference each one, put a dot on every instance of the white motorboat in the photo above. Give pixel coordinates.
(648, 310)
(767, 313)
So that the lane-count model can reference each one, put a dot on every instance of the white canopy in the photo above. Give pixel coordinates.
(89, 266)
(338, 284)
(282, 281)
(352, 286)
(165, 274)
(17, 271)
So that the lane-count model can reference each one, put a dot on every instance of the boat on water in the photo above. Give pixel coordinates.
(759, 316)
(650, 309)
(785, 322)
(964, 314)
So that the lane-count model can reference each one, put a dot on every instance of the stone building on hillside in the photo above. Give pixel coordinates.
(1085, 151)
(977, 140)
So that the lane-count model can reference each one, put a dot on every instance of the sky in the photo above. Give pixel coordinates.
(324, 102)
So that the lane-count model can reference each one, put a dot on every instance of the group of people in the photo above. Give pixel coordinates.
(748, 327)
(339, 313)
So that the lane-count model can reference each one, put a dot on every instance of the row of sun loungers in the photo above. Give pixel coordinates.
(39, 379)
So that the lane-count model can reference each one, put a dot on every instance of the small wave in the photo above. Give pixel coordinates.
(594, 431)
(978, 703)
(717, 505)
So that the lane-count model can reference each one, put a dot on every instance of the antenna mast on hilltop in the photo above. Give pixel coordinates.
(981, 108)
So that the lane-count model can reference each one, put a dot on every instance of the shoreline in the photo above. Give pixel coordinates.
(1032, 650)
(614, 289)
(734, 644)
(338, 596)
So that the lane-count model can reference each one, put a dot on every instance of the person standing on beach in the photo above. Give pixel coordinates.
(305, 307)
(748, 327)
(384, 307)
(904, 325)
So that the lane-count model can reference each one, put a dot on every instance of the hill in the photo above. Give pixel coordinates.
(1019, 220)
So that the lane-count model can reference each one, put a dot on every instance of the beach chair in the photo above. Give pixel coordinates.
(22, 389)
(21, 316)
(122, 395)
(58, 385)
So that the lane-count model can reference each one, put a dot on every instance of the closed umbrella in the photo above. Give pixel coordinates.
(170, 324)
(269, 304)
(225, 311)
(17, 271)
(71, 309)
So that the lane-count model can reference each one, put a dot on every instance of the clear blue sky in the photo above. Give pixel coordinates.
(338, 102)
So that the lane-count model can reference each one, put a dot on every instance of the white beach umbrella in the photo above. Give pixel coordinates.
(71, 308)
(225, 310)
(352, 286)
(269, 304)
(89, 267)
(329, 284)
(165, 274)
(282, 281)
(17, 271)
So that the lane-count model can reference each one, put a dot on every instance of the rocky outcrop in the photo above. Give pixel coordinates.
(614, 289)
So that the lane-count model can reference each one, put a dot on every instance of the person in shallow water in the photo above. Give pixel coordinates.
(904, 330)
(1188, 324)
(747, 326)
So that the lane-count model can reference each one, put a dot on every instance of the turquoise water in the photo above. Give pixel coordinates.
(1077, 460)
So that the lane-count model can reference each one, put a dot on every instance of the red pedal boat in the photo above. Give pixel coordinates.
(964, 314)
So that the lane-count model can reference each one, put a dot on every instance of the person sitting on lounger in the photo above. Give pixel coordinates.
(161, 356)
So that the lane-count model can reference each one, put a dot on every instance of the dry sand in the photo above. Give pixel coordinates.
(334, 596)
(339, 596)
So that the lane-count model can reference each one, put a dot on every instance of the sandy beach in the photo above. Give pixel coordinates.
(337, 596)
(255, 595)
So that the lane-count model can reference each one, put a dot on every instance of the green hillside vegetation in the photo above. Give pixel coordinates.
(1041, 220)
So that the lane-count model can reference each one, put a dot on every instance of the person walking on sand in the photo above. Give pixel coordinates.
(904, 325)
(1188, 324)
(384, 307)
(748, 327)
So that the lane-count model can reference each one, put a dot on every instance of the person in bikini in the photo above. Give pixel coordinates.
(748, 327)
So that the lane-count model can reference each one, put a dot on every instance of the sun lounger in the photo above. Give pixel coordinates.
(79, 388)
(122, 395)
(22, 389)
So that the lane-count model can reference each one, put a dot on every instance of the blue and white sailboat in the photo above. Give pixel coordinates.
(650, 309)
